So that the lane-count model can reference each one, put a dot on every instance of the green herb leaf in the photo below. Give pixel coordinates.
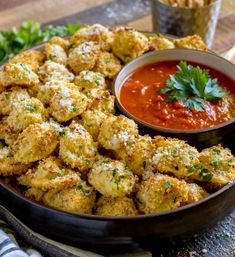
(167, 185)
(192, 86)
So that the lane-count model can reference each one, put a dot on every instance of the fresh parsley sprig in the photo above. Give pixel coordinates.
(191, 85)
(28, 34)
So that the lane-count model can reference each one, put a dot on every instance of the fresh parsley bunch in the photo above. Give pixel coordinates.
(28, 34)
(191, 85)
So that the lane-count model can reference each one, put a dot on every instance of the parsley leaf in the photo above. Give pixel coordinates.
(192, 85)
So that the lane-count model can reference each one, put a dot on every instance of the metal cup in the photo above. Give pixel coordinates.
(181, 21)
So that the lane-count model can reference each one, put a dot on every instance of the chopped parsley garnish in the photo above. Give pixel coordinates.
(30, 107)
(74, 108)
(63, 133)
(167, 185)
(216, 151)
(87, 162)
(192, 85)
(10, 155)
(215, 165)
(175, 199)
(7, 96)
(206, 175)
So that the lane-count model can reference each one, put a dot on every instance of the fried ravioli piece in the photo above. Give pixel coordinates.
(92, 120)
(196, 193)
(32, 58)
(54, 71)
(108, 65)
(49, 174)
(161, 193)
(100, 100)
(117, 132)
(115, 206)
(36, 142)
(77, 147)
(55, 53)
(25, 113)
(191, 42)
(111, 178)
(18, 74)
(129, 43)
(11, 98)
(77, 199)
(83, 57)
(96, 33)
(160, 42)
(138, 155)
(67, 103)
(217, 166)
(87, 80)
(7, 133)
(8, 165)
(174, 156)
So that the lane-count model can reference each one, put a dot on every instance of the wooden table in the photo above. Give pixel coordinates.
(216, 242)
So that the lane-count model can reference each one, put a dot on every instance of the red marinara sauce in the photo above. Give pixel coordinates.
(140, 96)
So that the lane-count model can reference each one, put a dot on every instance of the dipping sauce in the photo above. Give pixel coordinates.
(140, 96)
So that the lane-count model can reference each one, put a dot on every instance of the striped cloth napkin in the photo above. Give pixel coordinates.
(22, 242)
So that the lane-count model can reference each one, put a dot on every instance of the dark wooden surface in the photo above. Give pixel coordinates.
(218, 241)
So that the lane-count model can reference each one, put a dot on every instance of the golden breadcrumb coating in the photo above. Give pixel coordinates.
(161, 193)
(83, 57)
(77, 147)
(7, 133)
(78, 199)
(115, 206)
(174, 156)
(32, 58)
(10, 98)
(55, 53)
(138, 155)
(160, 42)
(8, 165)
(67, 103)
(116, 132)
(129, 43)
(87, 80)
(18, 74)
(64, 43)
(191, 42)
(36, 142)
(55, 71)
(25, 113)
(96, 33)
(34, 194)
(49, 174)
(92, 120)
(108, 65)
(111, 178)
(196, 193)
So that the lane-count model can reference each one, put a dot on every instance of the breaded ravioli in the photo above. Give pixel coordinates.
(36, 142)
(129, 43)
(27, 112)
(67, 103)
(32, 58)
(138, 155)
(115, 206)
(96, 33)
(7, 133)
(87, 80)
(77, 199)
(8, 165)
(10, 98)
(77, 147)
(18, 74)
(50, 174)
(108, 65)
(174, 156)
(191, 42)
(55, 71)
(111, 178)
(161, 193)
(116, 132)
(92, 120)
(217, 166)
(160, 42)
(83, 57)
(55, 53)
